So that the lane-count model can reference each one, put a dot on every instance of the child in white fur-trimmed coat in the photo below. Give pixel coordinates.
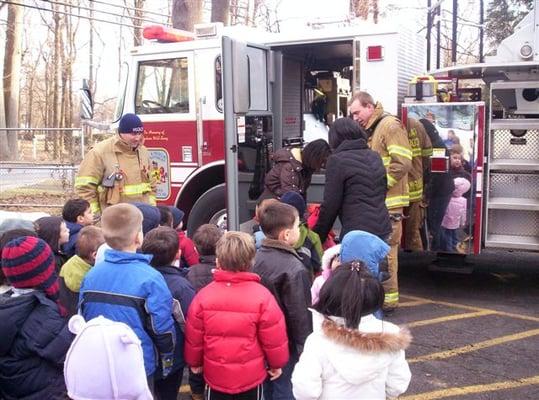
(351, 354)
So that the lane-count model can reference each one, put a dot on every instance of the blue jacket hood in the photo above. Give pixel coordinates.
(364, 246)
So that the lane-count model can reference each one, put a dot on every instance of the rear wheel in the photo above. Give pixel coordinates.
(210, 208)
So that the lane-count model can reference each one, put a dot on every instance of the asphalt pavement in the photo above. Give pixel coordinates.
(476, 335)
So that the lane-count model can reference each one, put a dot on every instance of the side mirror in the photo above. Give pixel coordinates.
(86, 101)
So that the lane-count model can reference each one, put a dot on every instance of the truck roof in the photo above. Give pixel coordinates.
(258, 36)
(489, 71)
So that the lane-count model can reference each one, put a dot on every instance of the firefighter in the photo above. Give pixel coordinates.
(118, 169)
(421, 151)
(389, 138)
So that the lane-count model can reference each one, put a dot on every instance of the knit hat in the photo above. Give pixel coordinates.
(28, 263)
(151, 217)
(130, 123)
(296, 200)
(116, 351)
(177, 215)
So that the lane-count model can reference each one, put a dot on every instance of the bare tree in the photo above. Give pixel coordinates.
(186, 13)
(11, 81)
(220, 11)
(362, 9)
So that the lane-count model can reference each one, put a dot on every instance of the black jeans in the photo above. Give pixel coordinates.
(196, 382)
(167, 389)
(252, 394)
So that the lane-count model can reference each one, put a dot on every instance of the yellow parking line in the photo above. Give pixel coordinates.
(475, 346)
(466, 307)
(465, 390)
(450, 318)
(414, 303)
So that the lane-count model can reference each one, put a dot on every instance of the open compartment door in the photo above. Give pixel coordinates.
(248, 72)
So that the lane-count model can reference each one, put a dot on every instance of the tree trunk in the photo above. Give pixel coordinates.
(11, 82)
(220, 10)
(137, 37)
(186, 13)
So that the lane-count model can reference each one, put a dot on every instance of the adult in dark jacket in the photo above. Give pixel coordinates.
(438, 189)
(34, 337)
(293, 168)
(356, 184)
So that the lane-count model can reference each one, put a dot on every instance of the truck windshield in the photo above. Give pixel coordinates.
(162, 86)
(124, 73)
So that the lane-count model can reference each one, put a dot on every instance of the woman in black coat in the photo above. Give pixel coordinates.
(356, 184)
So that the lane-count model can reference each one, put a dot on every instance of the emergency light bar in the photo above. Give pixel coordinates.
(165, 34)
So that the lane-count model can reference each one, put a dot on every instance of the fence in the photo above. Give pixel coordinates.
(42, 175)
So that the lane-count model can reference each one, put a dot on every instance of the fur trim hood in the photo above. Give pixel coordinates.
(329, 254)
(369, 342)
(359, 355)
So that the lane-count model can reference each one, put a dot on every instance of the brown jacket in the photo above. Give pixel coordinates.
(389, 139)
(287, 174)
(112, 157)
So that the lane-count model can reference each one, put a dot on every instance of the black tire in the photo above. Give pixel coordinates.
(211, 204)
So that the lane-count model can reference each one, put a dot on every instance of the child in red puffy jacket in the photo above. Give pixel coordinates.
(234, 327)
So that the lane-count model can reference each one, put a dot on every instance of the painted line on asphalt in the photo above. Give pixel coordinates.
(452, 317)
(472, 308)
(475, 346)
(414, 303)
(466, 390)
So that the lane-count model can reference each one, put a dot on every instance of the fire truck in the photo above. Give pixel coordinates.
(498, 139)
(217, 102)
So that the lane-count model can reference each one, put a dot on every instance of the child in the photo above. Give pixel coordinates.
(455, 214)
(166, 216)
(53, 230)
(33, 332)
(5, 237)
(231, 338)
(308, 245)
(370, 249)
(351, 354)
(187, 247)
(116, 350)
(283, 273)
(205, 238)
(258, 234)
(76, 214)
(330, 261)
(75, 269)
(162, 244)
(150, 220)
(125, 288)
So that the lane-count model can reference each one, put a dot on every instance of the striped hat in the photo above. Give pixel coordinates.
(28, 263)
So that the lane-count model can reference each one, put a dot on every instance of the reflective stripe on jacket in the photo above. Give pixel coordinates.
(107, 158)
(390, 140)
(421, 151)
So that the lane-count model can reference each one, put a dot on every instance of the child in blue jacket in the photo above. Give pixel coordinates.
(125, 288)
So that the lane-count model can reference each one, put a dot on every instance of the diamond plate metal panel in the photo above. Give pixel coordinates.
(510, 222)
(501, 147)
